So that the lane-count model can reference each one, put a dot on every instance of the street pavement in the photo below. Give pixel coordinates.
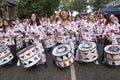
(83, 71)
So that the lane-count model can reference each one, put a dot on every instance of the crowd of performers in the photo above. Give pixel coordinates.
(65, 29)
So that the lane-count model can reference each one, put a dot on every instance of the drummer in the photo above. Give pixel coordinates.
(9, 37)
(25, 22)
(65, 30)
(51, 25)
(17, 26)
(111, 29)
(88, 30)
(44, 25)
(49, 28)
(20, 31)
(101, 24)
(35, 35)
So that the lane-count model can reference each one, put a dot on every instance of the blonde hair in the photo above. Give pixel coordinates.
(88, 17)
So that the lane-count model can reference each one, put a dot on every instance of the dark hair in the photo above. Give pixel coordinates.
(108, 18)
(37, 19)
(24, 16)
(62, 11)
(53, 18)
(9, 22)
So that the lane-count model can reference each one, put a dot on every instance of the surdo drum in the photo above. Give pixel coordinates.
(87, 52)
(5, 55)
(29, 56)
(62, 55)
(112, 54)
(49, 41)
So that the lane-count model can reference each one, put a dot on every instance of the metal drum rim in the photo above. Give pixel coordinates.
(87, 50)
(6, 47)
(112, 52)
(54, 54)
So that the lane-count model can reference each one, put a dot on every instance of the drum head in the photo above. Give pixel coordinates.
(61, 50)
(112, 49)
(3, 48)
(86, 46)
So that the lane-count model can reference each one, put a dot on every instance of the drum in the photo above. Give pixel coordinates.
(49, 41)
(29, 56)
(19, 42)
(87, 52)
(62, 55)
(5, 55)
(112, 54)
(118, 38)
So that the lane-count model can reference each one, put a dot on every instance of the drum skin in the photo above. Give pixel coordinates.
(87, 53)
(112, 57)
(63, 56)
(5, 55)
(29, 56)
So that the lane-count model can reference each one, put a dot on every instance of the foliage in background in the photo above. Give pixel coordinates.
(41, 7)
(80, 5)
(47, 7)
(98, 4)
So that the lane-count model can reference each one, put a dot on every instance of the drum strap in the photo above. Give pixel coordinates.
(66, 29)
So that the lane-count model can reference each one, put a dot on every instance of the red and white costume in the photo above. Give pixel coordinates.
(37, 39)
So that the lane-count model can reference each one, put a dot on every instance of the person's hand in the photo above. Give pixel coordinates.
(71, 32)
(33, 34)
(110, 40)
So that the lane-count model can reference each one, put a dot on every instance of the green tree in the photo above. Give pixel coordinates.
(97, 4)
(78, 5)
(41, 7)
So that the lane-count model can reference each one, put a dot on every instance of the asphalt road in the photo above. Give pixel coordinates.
(83, 71)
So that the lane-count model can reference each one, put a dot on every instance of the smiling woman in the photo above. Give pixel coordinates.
(65, 31)
(35, 36)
